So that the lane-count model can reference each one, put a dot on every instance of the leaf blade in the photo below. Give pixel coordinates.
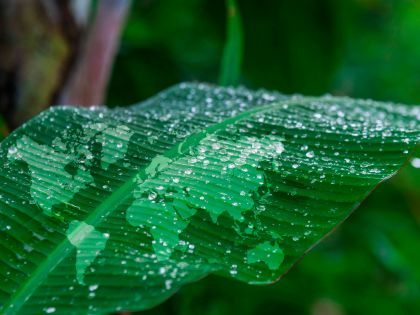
(157, 228)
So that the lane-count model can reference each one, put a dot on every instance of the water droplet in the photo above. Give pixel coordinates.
(215, 146)
(415, 162)
(49, 310)
(152, 195)
(279, 147)
(168, 284)
(12, 150)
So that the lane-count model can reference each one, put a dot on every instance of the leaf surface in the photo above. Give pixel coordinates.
(107, 210)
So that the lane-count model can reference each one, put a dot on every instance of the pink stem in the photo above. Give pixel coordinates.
(88, 82)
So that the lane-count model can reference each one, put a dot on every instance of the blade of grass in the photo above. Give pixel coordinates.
(230, 68)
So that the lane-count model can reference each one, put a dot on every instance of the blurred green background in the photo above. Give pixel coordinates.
(360, 48)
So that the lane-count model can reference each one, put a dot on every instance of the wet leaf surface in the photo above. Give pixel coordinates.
(107, 210)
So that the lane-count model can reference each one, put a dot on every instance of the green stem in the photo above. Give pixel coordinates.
(230, 68)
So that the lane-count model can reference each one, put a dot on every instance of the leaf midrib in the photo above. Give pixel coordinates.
(111, 203)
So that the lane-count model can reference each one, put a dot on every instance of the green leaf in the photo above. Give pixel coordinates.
(230, 68)
(107, 210)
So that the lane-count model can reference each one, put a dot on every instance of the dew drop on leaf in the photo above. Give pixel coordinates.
(415, 162)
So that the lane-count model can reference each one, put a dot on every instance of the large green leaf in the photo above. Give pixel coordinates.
(104, 210)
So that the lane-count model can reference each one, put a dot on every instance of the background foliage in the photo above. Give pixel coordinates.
(3, 129)
(360, 48)
(363, 48)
